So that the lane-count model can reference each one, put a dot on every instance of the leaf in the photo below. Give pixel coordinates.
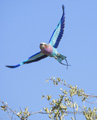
(61, 96)
(65, 92)
(46, 110)
(76, 109)
(61, 89)
(50, 116)
(72, 118)
(26, 109)
(3, 108)
(54, 101)
(47, 81)
(49, 97)
(58, 79)
(42, 96)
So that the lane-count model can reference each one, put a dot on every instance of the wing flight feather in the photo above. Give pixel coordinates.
(34, 58)
(58, 32)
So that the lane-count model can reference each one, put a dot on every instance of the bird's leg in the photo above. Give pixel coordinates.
(58, 54)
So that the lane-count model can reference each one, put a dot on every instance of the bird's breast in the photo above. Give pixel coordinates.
(47, 50)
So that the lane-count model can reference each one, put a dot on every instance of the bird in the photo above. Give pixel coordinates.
(49, 49)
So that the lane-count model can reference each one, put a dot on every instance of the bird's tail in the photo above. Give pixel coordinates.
(60, 58)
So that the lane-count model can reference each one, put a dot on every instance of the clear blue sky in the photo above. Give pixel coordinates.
(23, 26)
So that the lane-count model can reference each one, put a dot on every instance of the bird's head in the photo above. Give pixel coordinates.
(43, 45)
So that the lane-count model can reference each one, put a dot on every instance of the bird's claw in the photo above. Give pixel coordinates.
(58, 54)
(55, 57)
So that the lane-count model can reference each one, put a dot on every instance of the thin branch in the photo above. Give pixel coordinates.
(73, 108)
(87, 95)
(9, 115)
(38, 112)
(10, 109)
(91, 102)
(67, 112)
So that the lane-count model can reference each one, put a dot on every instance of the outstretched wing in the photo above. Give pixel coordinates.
(34, 58)
(58, 32)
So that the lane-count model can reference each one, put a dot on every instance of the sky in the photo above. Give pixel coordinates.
(23, 26)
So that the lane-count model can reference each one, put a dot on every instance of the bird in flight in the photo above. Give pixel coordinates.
(49, 49)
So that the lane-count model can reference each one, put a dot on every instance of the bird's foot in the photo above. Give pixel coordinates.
(55, 57)
(58, 54)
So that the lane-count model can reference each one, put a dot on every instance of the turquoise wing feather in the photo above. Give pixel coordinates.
(34, 58)
(58, 32)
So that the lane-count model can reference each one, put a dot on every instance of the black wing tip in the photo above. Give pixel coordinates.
(9, 66)
(63, 8)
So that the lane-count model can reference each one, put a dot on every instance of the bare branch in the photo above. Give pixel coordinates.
(9, 109)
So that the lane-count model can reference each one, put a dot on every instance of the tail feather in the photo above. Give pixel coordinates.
(60, 58)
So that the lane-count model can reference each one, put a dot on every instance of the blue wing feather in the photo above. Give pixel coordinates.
(58, 32)
(34, 58)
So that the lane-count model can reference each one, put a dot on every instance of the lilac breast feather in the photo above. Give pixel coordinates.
(47, 50)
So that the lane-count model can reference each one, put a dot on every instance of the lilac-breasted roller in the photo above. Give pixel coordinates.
(49, 49)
